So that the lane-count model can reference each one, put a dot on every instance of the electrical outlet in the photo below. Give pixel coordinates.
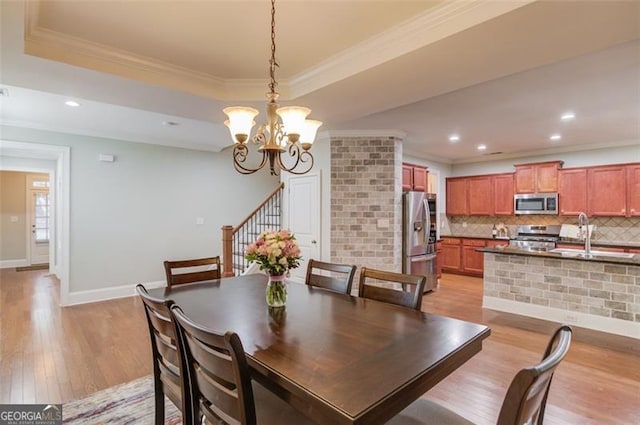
(571, 318)
(464, 224)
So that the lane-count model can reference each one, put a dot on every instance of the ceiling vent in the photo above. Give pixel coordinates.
(493, 153)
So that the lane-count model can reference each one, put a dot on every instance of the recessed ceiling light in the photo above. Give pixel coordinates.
(72, 103)
(568, 116)
(482, 147)
(454, 138)
(555, 137)
(170, 123)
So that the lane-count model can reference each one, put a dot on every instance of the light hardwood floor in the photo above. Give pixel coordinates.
(50, 354)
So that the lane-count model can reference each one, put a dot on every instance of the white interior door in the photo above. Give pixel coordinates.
(303, 217)
(39, 219)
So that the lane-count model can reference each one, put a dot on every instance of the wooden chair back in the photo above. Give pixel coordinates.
(527, 395)
(410, 296)
(219, 375)
(197, 276)
(167, 356)
(336, 277)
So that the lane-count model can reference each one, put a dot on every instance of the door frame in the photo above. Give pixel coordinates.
(30, 176)
(59, 189)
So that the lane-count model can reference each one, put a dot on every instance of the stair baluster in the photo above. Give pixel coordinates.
(267, 216)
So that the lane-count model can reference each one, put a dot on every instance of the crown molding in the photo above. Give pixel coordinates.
(549, 151)
(437, 23)
(49, 44)
(353, 134)
(113, 135)
(449, 17)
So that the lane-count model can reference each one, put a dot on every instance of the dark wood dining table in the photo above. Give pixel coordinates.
(339, 359)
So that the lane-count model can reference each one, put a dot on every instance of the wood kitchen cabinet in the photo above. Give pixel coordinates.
(451, 249)
(607, 188)
(502, 194)
(487, 195)
(633, 190)
(460, 256)
(457, 196)
(414, 177)
(439, 259)
(572, 191)
(480, 195)
(541, 177)
(472, 260)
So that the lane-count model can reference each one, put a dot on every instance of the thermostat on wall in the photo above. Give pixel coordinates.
(106, 158)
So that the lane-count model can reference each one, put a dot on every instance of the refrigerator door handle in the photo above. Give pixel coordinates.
(421, 258)
(427, 217)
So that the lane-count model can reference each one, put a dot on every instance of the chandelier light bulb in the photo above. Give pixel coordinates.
(240, 122)
(293, 120)
(308, 134)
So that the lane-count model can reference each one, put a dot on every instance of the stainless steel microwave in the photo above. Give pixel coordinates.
(536, 203)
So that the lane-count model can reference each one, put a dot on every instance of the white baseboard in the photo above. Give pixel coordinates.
(583, 320)
(8, 264)
(104, 294)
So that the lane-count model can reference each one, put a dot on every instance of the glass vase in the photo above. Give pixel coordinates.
(276, 293)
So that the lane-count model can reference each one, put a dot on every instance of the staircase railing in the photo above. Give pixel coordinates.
(235, 239)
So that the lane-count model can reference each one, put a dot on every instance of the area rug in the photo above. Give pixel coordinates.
(126, 404)
(33, 267)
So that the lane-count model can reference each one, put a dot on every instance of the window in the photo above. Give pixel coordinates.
(41, 216)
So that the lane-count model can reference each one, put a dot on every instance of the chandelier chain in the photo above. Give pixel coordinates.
(272, 62)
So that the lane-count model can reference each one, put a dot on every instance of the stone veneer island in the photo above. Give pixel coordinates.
(601, 293)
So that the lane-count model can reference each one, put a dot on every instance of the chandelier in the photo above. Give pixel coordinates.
(287, 131)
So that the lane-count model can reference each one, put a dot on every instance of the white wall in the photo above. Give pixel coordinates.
(129, 216)
(613, 155)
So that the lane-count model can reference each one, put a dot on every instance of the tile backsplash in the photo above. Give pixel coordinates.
(607, 229)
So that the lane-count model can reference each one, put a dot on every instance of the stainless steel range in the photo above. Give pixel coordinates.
(536, 237)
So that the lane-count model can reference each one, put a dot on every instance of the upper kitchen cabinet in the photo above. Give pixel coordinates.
(633, 190)
(414, 177)
(607, 188)
(489, 195)
(480, 195)
(572, 191)
(457, 196)
(503, 194)
(541, 177)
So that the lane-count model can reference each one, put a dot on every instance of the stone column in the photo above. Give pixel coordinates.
(366, 210)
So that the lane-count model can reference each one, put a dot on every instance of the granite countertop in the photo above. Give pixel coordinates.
(603, 243)
(594, 243)
(474, 237)
(634, 261)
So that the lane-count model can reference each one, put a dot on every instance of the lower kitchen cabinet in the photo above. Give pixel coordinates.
(439, 259)
(451, 248)
(472, 260)
(460, 256)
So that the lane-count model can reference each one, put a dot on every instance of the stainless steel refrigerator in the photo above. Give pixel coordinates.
(419, 233)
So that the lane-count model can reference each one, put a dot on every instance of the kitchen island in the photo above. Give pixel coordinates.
(601, 293)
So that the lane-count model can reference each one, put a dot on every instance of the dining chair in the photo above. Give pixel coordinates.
(334, 277)
(193, 276)
(410, 296)
(220, 382)
(524, 402)
(166, 357)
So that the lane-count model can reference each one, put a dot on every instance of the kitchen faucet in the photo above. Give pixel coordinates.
(583, 223)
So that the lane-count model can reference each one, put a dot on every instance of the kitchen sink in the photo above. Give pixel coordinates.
(581, 253)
